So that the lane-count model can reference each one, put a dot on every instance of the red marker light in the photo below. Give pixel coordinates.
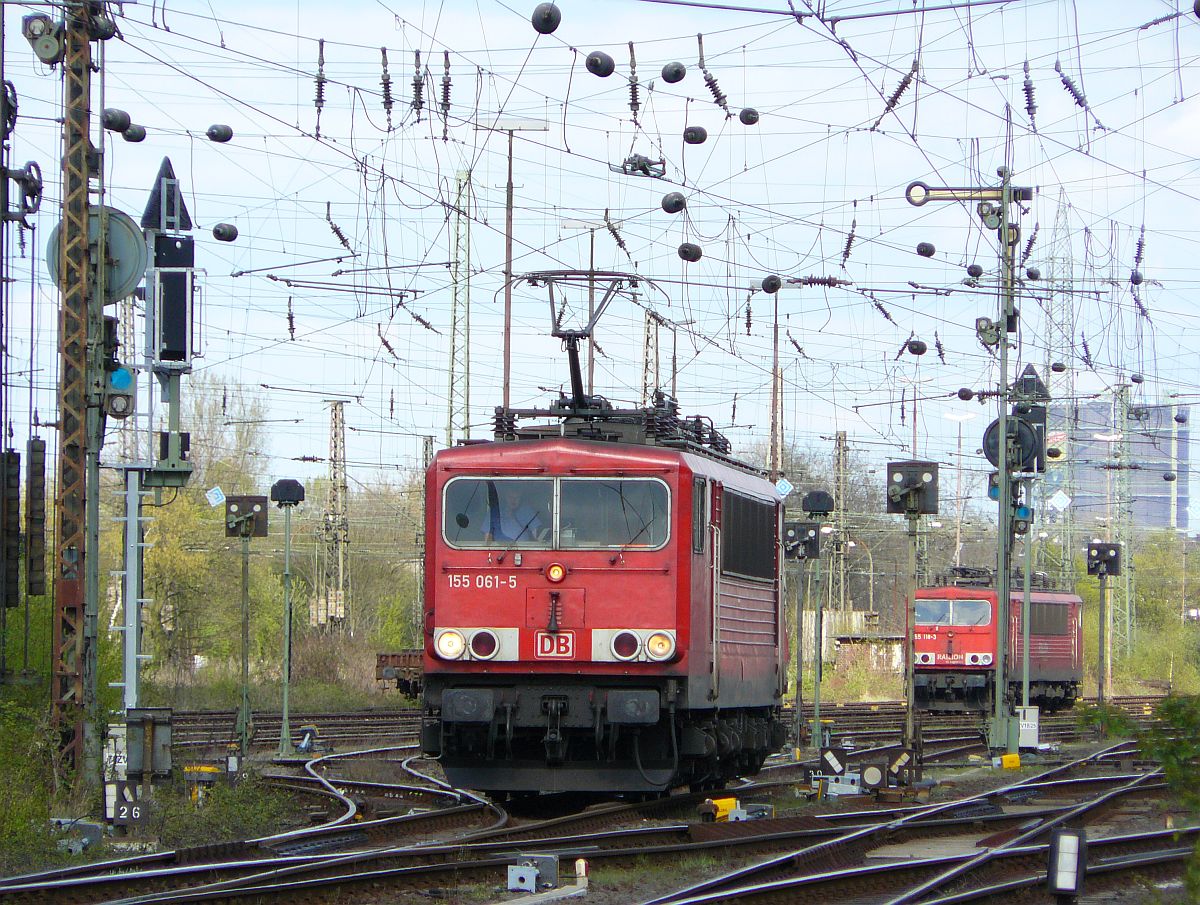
(556, 572)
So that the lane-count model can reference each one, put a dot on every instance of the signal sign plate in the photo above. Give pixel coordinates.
(554, 646)
(833, 761)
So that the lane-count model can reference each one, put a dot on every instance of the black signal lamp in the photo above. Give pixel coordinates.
(912, 488)
(1103, 559)
(287, 492)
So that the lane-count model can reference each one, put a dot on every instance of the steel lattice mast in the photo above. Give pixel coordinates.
(1060, 330)
(73, 683)
(458, 421)
(335, 526)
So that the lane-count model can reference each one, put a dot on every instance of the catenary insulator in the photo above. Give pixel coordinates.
(219, 133)
(601, 64)
(690, 251)
(673, 72)
(695, 135)
(673, 202)
(225, 232)
(546, 18)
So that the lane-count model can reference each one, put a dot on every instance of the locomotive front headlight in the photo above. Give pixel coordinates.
(660, 646)
(625, 645)
(450, 645)
(985, 659)
(556, 572)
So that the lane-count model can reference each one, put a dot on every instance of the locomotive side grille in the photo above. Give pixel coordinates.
(747, 613)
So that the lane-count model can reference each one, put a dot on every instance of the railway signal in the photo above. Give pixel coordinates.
(287, 493)
(1104, 561)
(912, 490)
(245, 517)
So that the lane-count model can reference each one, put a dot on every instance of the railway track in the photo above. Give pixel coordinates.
(784, 858)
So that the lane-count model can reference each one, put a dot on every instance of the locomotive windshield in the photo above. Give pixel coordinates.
(612, 513)
(953, 612)
(555, 513)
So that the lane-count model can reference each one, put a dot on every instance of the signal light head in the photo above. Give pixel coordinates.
(556, 572)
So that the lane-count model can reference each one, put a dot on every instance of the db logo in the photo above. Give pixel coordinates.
(560, 645)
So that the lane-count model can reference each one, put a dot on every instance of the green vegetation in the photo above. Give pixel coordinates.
(1175, 743)
(230, 812)
(26, 749)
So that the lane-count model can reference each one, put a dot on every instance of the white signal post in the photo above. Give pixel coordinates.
(1003, 729)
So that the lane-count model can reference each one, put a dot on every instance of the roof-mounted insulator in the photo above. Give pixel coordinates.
(385, 81)
(418, 86)
(1030, 106)
(319, 100)
(445, 95)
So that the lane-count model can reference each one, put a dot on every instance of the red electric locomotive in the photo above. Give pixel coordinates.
(955, 645)
(603, 604)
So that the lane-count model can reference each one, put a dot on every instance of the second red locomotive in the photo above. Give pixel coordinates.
(603, 605)
(955, 645)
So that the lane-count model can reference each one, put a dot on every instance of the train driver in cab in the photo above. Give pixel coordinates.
(512, 519)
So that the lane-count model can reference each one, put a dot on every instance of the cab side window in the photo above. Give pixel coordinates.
(699, 514)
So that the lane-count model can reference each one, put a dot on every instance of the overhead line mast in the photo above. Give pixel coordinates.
(73, 682)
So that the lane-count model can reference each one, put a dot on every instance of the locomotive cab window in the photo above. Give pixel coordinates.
(699, 514)
(499, 512)
(612, 512)
(971, 612)
(933, 612)
(555, 513)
